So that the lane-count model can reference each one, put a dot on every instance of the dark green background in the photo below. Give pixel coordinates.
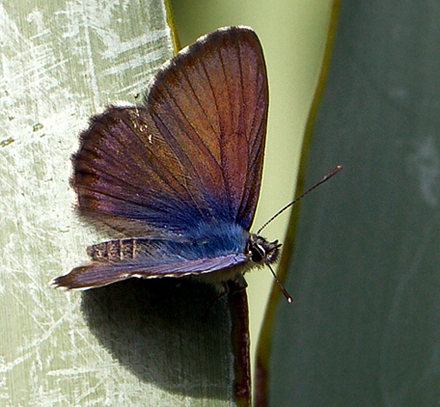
(365, 272)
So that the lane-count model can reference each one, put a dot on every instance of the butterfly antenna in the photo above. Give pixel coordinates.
(326, 178)
(283, 290)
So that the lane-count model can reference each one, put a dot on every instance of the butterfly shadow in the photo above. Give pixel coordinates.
(168, 332)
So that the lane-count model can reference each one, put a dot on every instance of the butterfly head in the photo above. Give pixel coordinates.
(262, 251)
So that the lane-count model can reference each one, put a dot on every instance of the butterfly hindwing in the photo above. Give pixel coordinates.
(128, 183)
(97, 274)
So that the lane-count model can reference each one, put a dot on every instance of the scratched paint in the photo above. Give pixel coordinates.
(57, 67)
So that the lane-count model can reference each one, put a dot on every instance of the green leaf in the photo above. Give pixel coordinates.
(364, 266)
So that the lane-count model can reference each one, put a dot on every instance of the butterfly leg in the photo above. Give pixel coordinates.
(228, 287)
(223, 291)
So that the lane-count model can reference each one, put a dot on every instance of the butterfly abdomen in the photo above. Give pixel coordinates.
(117, 250)
(206, 241)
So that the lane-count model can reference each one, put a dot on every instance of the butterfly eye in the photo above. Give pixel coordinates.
(258, 253)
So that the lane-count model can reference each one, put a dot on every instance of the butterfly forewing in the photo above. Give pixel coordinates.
(210, 104)
(196, 148)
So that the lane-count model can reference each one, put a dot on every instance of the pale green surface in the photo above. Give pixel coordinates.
(293, 34)
(62, 62)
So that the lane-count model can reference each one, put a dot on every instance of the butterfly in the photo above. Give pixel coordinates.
(180, 175)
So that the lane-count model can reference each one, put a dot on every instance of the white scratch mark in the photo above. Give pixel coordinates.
(89, 60)
(115, 47)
